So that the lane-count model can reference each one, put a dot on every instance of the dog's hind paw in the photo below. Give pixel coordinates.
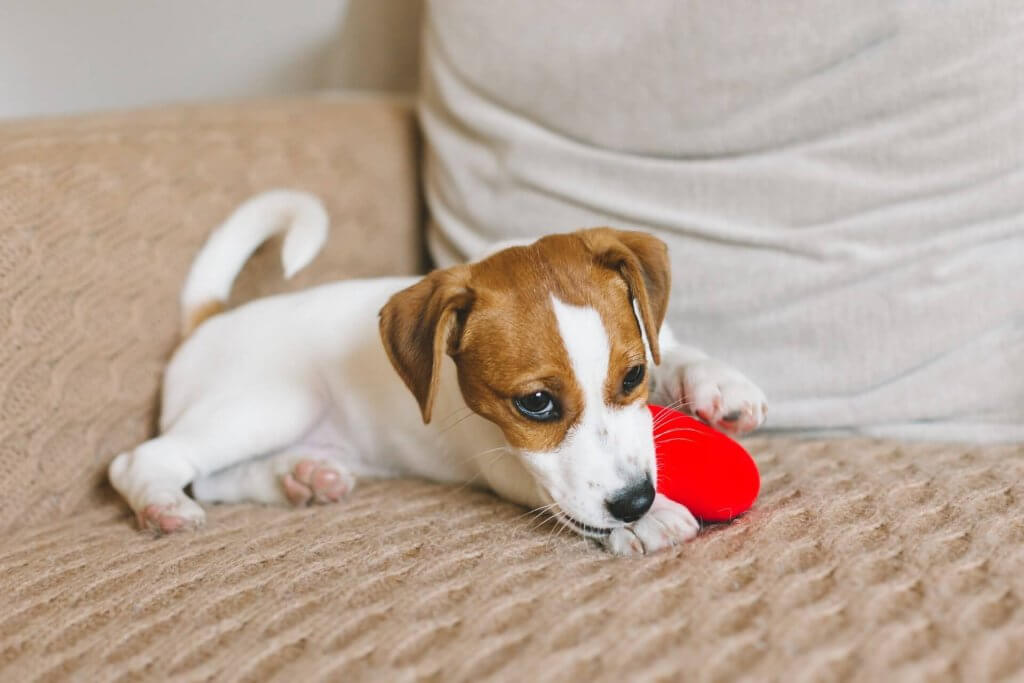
(170, 512)
(316, 481)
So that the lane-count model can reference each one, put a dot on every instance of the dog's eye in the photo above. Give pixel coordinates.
(539, 406)
(633, 378)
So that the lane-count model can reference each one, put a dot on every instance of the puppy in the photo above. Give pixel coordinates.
(527, 372)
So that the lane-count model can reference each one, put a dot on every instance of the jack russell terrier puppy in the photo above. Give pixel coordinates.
(529, 371)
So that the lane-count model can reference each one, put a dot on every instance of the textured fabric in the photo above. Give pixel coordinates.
(100, 218)
(862, 561)
(841, 183)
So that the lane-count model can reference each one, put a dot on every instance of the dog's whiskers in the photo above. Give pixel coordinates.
(678, 404)
(664, 431)
(663, 417)
(677, 429)
(457, 413)
(676, 440)
(462, 419)
(535, 512)
(539, 517)
(500, 450)
(541, 520)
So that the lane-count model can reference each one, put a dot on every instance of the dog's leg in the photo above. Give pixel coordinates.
(151, 478)
(209, 436)
(299, 478)
(710, 389)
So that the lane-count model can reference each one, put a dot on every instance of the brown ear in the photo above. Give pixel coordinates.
(642, 259)
(420, 323)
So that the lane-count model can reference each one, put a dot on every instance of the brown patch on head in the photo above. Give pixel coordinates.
(496, 320)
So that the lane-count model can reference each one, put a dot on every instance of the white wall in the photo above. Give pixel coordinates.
(60, 56)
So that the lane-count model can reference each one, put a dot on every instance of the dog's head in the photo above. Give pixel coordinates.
(551, 343)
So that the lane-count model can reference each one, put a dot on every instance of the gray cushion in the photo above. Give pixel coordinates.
(841, 183)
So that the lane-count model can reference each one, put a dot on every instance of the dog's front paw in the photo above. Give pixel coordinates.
(718, 394)
(666, 524)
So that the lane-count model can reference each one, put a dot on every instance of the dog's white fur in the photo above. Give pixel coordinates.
(573, 474)
(257, 390)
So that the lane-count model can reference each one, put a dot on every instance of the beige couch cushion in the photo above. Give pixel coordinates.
(100, 217)
(863, 561)
(839, 181)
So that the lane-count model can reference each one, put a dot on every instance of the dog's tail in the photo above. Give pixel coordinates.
(299, 215)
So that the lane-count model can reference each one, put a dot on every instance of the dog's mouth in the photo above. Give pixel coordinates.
(567, 520)
(580, 527)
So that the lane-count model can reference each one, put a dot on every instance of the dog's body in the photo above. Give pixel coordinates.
(522, 367)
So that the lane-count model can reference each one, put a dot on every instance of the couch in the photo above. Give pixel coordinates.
(863, 560)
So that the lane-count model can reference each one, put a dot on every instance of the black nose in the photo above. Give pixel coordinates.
(630, 503)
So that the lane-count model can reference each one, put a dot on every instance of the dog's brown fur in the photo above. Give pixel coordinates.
(201, 315)
(495, 319)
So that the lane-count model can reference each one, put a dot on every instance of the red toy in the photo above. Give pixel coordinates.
(702, 468)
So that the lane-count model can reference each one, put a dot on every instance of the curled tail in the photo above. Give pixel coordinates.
(299, 215)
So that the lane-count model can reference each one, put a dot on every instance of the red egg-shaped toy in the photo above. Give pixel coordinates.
(702, 468)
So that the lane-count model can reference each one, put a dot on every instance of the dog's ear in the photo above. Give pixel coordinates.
(420, 323)
(642, 260)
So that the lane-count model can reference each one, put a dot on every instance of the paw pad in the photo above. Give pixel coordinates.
(170, 517)
(313, 481)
